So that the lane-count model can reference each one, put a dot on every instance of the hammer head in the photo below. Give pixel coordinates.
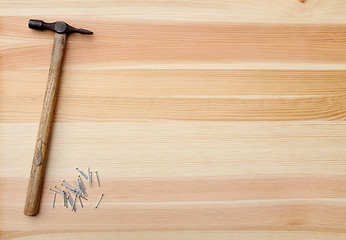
(58, 27)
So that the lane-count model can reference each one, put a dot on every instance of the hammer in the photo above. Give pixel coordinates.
(61, 29)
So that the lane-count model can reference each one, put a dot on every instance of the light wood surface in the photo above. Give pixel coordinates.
(205, 119)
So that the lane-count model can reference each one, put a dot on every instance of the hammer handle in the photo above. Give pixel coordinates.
(33, 196)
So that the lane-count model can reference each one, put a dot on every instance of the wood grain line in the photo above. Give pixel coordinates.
(181, 43)
(181, 148)
(123, 191)
(177, 234)
(268, 11)
(319, 215)
(176, 82)
(107, 109)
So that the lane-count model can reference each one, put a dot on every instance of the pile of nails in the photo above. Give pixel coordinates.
(79, 191)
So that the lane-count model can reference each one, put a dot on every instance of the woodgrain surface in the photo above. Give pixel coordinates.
(205, 119)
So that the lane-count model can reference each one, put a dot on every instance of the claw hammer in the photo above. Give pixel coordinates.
(61, 29)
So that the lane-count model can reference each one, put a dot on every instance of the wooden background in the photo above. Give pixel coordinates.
(206, 119)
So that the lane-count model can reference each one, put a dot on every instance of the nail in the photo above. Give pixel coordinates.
(65, 199)
(54, 200)
(91, 178)
(74, 203)
(64, 183)
(78, 187)
(82, 186)
(99, 201)
(80, 200)
(70, 199)
(84, 193)
(55, 191)
(76, 193)
(88, 174)
(68, 186)
(81, 182)
(58, 188)
(97, 176)
(81, 172)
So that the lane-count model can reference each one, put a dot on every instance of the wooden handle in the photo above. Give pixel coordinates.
(33, 196)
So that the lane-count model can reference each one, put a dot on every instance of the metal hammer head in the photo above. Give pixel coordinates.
(58, 27)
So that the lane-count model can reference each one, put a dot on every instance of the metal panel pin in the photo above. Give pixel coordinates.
(99, 201)
(56, 191)
(81, 172)
(78, 188)
(68, 186)
(70, 199)
(53, 204)
(82, 186)
(91, 178)
(65, 199)
(97, 176)
(80, 200)
(74, 203)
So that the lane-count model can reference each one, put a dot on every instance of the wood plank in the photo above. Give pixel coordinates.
(272, 11)
(173, 43)
(245, 95)
(172, 235)
(296, 214)
(175, 82)
(182, 148)
(262, 188)
(253, 108)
